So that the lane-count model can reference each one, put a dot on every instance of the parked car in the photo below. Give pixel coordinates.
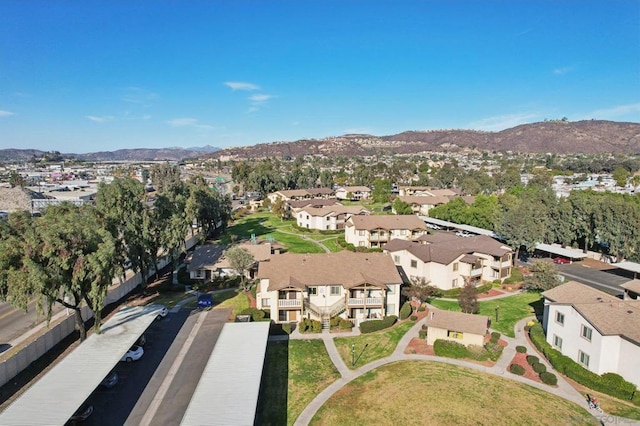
(110, 381)
(133, 354)
(81, 415)
(142, 340)
(561, 260)
(163, 312)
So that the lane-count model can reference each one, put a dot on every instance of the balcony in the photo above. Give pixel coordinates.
(290, 303)
(358, 302)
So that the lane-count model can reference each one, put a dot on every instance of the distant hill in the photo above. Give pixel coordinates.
(561, 137)
(138, 154)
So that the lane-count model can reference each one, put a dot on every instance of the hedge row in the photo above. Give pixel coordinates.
(375, 325)
(451, 349)
(256, 314)
(310, 326)
(341, 323)
(609, 383)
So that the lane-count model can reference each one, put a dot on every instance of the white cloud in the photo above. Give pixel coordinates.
(563, 70)
(6, 113)
(615, 111)
(240, 85)
(260, 98)
(189, 122)
(253, 109)
(502, 122)
(100, 119)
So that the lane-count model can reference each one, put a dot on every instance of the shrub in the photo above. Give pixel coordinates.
(494, 350)
(375, 325)
(422, 308)
(538, 367)
(422, 334)
(345, 324)
(548, 378)
(515, 278)
(532, 359)
(414, 318)
(310, 326)
(405, 311)
(517, 369)
(287, 328)
(484, 288)
(256, 314)
(496, 283)
(521, 349)
(495, 336)
(450, 349)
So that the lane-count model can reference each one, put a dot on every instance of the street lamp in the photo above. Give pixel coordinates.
(353, 354)
(497, 310)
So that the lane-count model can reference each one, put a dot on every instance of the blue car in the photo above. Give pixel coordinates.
(205, 301)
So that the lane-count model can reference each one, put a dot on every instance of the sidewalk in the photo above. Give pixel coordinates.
(563, 390)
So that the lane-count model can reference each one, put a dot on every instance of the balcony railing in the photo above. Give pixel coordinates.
(289, 303)
(369, 301)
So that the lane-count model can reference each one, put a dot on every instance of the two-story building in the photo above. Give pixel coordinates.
(353, 193)
(329, 218)
(595, 329)
(376, 230)
(355, 286)
(447, 261)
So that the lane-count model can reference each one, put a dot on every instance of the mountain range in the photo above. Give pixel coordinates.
(555, 136)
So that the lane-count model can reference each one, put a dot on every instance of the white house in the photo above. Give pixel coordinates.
(356, 286)
(376, 230)
(595, 329)
(327, 218)
(446, 261)
(353, 193)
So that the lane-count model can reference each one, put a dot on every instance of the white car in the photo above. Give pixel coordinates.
(163, 312)
(133, 354)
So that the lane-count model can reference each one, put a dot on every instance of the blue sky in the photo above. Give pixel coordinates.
(84, 76)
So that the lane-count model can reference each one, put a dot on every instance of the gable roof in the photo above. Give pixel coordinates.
(407, 221)
(315, 202)
(633, 285)
(354, 189)
(457, 321)
(448, 249)
(608, 314)
(343, 268)
(333, 210)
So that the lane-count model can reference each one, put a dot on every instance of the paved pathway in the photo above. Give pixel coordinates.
(563, 390)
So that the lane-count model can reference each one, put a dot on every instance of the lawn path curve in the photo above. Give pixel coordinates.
(563, 390)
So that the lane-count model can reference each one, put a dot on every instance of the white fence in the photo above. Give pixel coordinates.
(33, 350)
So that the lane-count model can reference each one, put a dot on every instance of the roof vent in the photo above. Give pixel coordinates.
(629, 312)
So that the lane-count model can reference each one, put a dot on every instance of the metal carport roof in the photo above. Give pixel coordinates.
(560, 251)
(227, 393)
(628, 266)
(56, 396)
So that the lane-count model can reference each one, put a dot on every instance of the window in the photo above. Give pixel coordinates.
(361, 232)
(455, 334)
(335, 290)
(454, 282)
(396, 259)
(586, 332)
(361, 243)
(307, 217)
(583, 358)
(313, 291)
(282, 315)
(327, 226)
(560, 318)
(414, 263)
(391, 289)
(557, 341)
(455, 266)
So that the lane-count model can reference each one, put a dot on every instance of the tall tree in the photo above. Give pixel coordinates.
(66, 259)
(381, 191)
(468, 299)
(240, 260)
(544, 276)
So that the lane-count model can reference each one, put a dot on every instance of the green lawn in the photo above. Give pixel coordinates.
(295, 372)
(431, 393)
(371, 346)
(234, 299)
(510, 309)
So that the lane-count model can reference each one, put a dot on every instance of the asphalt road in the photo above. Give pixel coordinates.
(16, 322)
(130, 399)
(607, 281)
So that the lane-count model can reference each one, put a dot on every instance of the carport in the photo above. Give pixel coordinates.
(570, 254)
(629, 267)
(227, 393)
(56, 396)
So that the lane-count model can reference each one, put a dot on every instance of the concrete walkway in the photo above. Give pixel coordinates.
(563, 390)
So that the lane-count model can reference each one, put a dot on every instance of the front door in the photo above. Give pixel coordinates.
(293, 316)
